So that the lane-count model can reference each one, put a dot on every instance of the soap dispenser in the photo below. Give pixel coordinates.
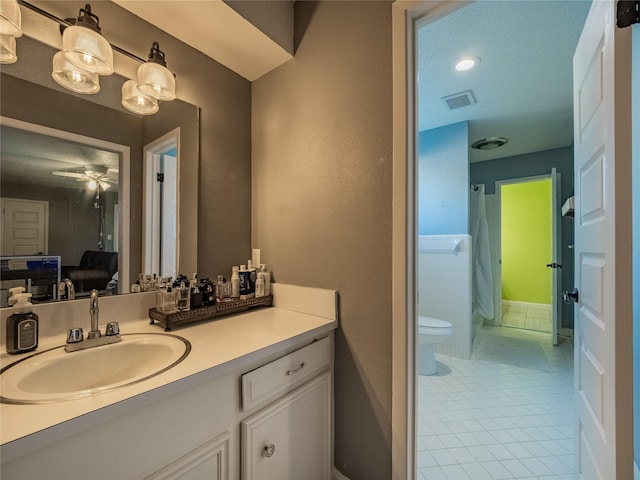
(22, 326)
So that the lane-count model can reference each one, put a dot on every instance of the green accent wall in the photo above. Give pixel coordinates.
(526, 241)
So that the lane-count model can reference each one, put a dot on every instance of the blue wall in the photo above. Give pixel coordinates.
(636, 237)
(443, 180)
(529, 165)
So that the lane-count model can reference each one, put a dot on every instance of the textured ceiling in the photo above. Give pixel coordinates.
(523, 84)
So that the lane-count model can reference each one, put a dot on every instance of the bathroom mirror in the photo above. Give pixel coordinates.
(30, 96)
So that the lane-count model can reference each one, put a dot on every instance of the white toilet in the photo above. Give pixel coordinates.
(430, 331)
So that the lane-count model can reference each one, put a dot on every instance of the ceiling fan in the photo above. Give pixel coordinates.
(93, 175)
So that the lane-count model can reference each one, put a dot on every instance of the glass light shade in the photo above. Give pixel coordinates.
(137, 102)
(8, 49)
(72, 77)
(156, 81)
(10, 18)
(87, 49)
(92, 185)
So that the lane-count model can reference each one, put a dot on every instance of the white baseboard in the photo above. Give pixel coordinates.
(336, 475)
(527, 304)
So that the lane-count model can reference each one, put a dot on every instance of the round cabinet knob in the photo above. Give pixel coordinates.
(269, 450)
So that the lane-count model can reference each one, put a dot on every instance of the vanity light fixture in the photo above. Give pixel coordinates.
(467, 63)
(86, 54)
(84, 46)
(136, 101)
(154, 79)
(10, 18)
(8, 49)
(73, 78)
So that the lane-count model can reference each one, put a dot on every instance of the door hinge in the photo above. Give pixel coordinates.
(160, 177)
(627, 13)
(554, 265)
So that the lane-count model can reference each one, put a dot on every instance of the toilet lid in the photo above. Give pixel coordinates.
(433, 322)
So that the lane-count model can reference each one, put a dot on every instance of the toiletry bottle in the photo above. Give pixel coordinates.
(22, 326)
(260, 285)
(252, 274)
(219, 289)
(208, 292)
(235, 282)
(166, 299)
(267, 279)
(247, 288)
(226, 290)
(183, 294)
(196, 294)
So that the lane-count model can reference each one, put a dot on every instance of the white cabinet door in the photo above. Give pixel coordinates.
(291, 438)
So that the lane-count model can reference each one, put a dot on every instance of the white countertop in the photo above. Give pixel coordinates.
(217, 346)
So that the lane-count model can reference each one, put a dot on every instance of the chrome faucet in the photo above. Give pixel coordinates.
(66, 290)
(93, 311)
(75, 338)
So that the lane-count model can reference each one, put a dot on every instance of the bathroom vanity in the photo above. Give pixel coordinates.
(253, 399)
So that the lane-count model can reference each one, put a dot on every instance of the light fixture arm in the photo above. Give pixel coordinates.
(156, 55)
(88, 19)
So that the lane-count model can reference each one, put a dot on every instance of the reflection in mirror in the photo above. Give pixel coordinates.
(29, 94)
(56, 186)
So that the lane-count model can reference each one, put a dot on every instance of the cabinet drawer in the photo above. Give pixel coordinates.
(271, 379)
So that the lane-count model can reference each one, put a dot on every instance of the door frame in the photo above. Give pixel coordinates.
(150, 198)
(405, 15)
(556, 243)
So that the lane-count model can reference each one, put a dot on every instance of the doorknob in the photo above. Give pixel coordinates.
(570, 297)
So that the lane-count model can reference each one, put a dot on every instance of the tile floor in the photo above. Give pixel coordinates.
(529, 317)
(499, 419)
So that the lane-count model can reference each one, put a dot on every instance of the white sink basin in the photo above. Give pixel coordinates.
(55, 375)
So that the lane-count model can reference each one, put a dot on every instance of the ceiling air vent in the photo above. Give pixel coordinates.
(458, 100)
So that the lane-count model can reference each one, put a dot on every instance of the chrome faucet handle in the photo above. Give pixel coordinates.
(112, 329)
(75, 335)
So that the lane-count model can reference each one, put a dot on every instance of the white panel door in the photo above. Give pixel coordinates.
(25, 225)
(598, 311)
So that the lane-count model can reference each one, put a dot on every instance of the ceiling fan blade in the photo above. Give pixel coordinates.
(68, 174)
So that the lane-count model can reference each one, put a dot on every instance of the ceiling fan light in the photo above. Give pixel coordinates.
(154, 78)
(8, 49)
(10, 18)
(84, 46)
(73, 78)
(92, 185)
(137, 102)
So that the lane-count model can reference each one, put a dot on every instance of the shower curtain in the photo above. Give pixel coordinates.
(481, 280)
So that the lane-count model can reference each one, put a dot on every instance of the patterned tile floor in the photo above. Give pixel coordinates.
(536, 318)
(502, 418)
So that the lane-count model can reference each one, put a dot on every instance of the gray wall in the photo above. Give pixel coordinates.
(322, 192)
(538, 163)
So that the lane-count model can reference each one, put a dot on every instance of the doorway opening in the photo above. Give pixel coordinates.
(529, 260)
(160, 242)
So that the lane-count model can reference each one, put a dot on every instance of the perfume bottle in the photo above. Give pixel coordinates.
(183, 293)
(166, 299)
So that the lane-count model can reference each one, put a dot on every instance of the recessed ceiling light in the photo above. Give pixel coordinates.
(489, 143)
(467, 63)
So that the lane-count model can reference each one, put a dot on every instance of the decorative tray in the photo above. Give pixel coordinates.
(175, 319)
